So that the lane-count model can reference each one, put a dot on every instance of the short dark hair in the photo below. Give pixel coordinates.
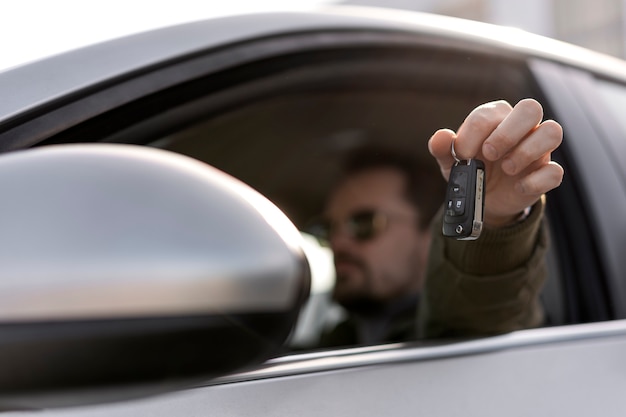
(425, 187)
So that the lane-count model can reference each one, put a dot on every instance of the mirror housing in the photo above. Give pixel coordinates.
(128, 271)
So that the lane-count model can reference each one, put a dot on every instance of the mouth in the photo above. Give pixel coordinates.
(345, 266)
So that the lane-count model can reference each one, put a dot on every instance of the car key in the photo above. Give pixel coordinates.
(465, 200)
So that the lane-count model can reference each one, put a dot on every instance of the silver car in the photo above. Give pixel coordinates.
(153, 187)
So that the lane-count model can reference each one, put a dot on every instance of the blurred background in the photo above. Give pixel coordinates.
(594, 24)
(31, 29)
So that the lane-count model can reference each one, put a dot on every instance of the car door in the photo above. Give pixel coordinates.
(274, 100)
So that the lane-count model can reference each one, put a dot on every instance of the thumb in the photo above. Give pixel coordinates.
(439, 146)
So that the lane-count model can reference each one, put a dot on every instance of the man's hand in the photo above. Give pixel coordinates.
(515, 145)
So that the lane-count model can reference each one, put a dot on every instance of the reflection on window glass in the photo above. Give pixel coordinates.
(614, 96)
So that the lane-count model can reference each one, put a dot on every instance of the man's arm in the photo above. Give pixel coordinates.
(492, 285)
(488, 286)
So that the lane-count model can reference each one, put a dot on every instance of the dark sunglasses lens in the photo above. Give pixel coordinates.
(363, 225)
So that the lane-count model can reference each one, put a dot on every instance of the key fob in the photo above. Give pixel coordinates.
(465, 200)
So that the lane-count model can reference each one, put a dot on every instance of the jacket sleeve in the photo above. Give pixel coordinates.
(487, 286)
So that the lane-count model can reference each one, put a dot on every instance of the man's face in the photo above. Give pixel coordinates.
(389, 264)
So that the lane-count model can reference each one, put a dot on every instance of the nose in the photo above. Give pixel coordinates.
(340, 240)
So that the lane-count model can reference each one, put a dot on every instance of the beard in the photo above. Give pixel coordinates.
(352, 287)
(356, 290)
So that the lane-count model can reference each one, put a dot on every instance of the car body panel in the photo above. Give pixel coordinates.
(541, 373)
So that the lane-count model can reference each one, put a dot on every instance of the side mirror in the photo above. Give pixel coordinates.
(128, 271)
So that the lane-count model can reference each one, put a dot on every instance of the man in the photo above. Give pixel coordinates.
(390, 264)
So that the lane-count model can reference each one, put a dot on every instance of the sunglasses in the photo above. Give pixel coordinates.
(362, 225)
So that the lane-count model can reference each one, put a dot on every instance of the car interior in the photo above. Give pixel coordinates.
(283, 125)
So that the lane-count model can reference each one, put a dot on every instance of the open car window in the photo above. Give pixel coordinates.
(288, 137)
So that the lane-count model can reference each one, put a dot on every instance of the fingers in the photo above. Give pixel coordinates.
(494, 129)
(440, 145)
(542, 141)
(515, 137)
(541, 180)
(491, 131)
(478, 126)
(522, 119)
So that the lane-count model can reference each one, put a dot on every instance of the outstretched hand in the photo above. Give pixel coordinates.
(515, 145)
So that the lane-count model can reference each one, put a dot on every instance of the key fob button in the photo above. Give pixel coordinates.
(459, 206)
(458, 185)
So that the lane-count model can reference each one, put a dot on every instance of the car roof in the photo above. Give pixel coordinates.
(53, 30)
(31, 85)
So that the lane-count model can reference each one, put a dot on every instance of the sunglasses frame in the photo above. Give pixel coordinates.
(324, 229)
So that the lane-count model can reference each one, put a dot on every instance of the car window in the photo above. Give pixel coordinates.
(614, 96)
(290, 144)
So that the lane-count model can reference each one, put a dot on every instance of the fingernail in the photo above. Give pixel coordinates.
(508, 166)
(490, 152)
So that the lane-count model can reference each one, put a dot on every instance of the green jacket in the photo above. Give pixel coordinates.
(472, 288)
